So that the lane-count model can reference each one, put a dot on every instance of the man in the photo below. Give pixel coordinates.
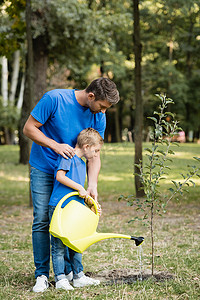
(54, 125)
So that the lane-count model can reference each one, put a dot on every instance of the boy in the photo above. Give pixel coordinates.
(70, 175)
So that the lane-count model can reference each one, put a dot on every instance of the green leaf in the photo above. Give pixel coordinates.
(130, 221)
(153, 119)
(169, 100)
(169, 113)
(196, 158)
(171, 152)
(121, 197)
(148, 149)
(175, 183)
(161, 151)
(137, 165)
(159, 96)
(176, 144)
(192, 182)
(157, 113)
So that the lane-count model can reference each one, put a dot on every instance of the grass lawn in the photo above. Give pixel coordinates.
(114, 261)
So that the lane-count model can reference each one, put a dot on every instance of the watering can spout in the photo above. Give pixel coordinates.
(87, 241)
(138, 240)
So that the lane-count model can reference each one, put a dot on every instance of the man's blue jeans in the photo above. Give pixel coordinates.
(41, 189)
(64, 259)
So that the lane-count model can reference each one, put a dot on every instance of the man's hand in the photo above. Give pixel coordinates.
(65, 150)
(32, 130)
(92, 191)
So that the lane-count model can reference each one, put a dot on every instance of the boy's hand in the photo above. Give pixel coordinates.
(82, 192)
(99, 209)
(89, 202)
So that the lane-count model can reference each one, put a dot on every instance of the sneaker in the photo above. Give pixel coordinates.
(64, 285)
(69, 276)
(41, 284)
(85, 281)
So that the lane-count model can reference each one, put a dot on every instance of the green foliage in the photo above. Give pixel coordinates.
(170, 39)
(83, 34)
(9, 117)
(12, 26)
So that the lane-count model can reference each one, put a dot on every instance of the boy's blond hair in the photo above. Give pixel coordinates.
(89, 136)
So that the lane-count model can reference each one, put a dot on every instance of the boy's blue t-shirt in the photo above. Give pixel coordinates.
(75, 170)
(63, 118)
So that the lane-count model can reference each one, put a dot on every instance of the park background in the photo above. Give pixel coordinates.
(66, 44)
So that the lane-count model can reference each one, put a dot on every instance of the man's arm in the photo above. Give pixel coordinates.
(32, 131)
(93, 168)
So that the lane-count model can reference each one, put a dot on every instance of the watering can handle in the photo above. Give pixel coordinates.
(77, 194)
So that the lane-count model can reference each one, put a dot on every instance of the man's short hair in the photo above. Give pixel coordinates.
(104, 89)
(89, 136)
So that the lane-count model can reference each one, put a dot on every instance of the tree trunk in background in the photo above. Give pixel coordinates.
(4, 80)
(35, 83)
(4, 91)
(21, 93)
(15, 75)
(138, 96)
(24, 142)
(40, 55)
(188, 70)
(117, 125)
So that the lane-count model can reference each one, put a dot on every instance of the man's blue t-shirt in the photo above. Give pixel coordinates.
(63, 118)
(75, 170)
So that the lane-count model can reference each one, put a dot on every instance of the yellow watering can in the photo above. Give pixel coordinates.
(76, 225)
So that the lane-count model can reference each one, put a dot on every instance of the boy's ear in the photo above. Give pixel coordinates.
(86, 147)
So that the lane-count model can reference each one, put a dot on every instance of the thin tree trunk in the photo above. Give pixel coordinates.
(4, 91)
(117, 125)
(4, 80)
(152, 239)
(21, 92)
(15, 75)
(138, 96)
(188, 65)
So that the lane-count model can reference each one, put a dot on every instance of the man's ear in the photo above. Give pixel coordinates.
(91, 96)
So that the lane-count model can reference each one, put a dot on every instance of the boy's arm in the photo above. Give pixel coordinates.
(60, 176)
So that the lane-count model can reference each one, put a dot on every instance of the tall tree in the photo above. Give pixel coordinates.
(138, 129)
(28, 99)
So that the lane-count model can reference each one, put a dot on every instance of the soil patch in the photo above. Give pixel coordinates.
(127, 276)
